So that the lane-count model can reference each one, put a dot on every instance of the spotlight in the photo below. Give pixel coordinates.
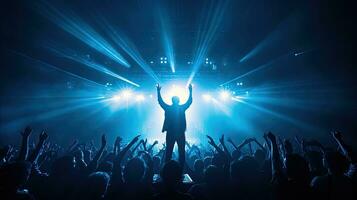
(207, 97)
(161, 62)
(126, 94)
(165, 61)
(140, 97)
(161, 58)
(116, 98)
(178, 91)
(224, 95)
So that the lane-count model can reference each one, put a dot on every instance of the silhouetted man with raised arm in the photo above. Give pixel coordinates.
(175, 124)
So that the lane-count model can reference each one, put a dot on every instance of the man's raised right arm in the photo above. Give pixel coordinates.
(159, 98)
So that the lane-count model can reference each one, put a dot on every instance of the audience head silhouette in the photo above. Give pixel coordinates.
(134, 170)
(171, 173)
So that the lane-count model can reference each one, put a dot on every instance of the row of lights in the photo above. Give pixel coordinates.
(163, 60)
(127, 94)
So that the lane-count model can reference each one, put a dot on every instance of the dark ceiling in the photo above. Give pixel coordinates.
(325, 28)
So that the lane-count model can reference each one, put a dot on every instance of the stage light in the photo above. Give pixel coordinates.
(140, 97)
(161, 62)
(224, 95)
(126, 93)
(178, 91)
(116, 98)
(165, 62)
(161, 58)
(207, 97)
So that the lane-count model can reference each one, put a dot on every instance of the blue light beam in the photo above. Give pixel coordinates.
(259, 68)
(123, 42)
(96, 66)
(207, 35)
(42, 63)
(281, 35)
(167, 42)
(72, 24)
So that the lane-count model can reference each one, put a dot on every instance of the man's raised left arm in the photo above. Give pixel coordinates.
(189, 100)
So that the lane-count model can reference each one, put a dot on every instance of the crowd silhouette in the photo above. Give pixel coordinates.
(265, 168)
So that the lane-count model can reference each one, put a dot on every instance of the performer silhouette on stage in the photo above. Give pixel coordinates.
(175, 124)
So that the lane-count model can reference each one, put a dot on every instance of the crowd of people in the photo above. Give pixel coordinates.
(270, 168)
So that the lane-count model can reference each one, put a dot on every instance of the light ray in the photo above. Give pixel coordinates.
(69, 54)
(213, 22)
(42, 63)
(72, 24)
(129, 47)
(259, 68)
(167, 42)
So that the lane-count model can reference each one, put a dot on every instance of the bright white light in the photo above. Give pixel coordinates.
(238, 98)
(116, 97)
(224, 95)
(161, 58)
(207, 97)
(139, 97)
(161, 62)
(181, 92)
(126, 93)
(165, 61)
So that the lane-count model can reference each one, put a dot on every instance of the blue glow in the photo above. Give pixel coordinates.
(121, 40)
(280, 35)
(42, 63)
(69, 54)
(167, 41)
(259, 68)
(81, 30)
(207, 34)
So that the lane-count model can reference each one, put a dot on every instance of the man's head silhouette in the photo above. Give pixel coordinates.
(175, 100)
